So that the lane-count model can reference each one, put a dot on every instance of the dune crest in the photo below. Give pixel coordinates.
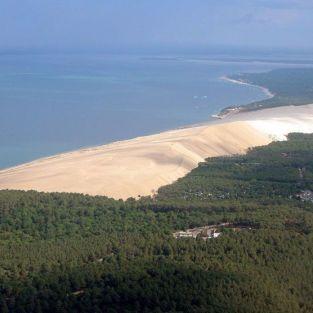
(139, 166)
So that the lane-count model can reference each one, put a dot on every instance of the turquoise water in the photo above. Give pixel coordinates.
(55, 103)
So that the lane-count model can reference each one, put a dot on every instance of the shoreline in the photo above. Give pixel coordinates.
(229, 111)
(42, 151)
(215, 117)
(240, 82)
(140, 166)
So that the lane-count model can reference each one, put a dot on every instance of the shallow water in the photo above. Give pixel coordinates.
(55, 103)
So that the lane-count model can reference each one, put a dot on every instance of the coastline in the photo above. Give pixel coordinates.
(240, 82)
(211, 118)
(139, 166)
(228, 111)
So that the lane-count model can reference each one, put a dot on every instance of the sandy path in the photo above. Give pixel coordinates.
(140, 166)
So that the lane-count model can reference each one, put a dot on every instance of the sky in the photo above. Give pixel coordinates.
(139, 24)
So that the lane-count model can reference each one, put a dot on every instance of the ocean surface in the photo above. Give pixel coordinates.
(55, 103)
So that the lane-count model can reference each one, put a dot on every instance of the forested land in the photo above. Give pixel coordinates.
(75, 253)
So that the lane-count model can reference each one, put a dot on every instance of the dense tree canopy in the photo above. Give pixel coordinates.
(77, 253)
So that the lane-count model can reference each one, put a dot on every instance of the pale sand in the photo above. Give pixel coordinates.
(140, 166)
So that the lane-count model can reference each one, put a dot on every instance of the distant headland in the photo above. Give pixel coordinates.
(283, 87)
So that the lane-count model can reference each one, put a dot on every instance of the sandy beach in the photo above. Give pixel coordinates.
(266, 91)
(139, 166)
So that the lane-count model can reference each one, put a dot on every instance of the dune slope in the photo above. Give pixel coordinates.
(140, 166)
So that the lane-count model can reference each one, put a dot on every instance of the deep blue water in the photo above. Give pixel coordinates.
(55, 103)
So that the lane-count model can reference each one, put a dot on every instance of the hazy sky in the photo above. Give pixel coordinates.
(106, 24)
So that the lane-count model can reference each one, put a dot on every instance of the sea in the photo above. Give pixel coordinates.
(52, 103)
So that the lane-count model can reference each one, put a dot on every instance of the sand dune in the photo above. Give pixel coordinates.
(140, 166)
